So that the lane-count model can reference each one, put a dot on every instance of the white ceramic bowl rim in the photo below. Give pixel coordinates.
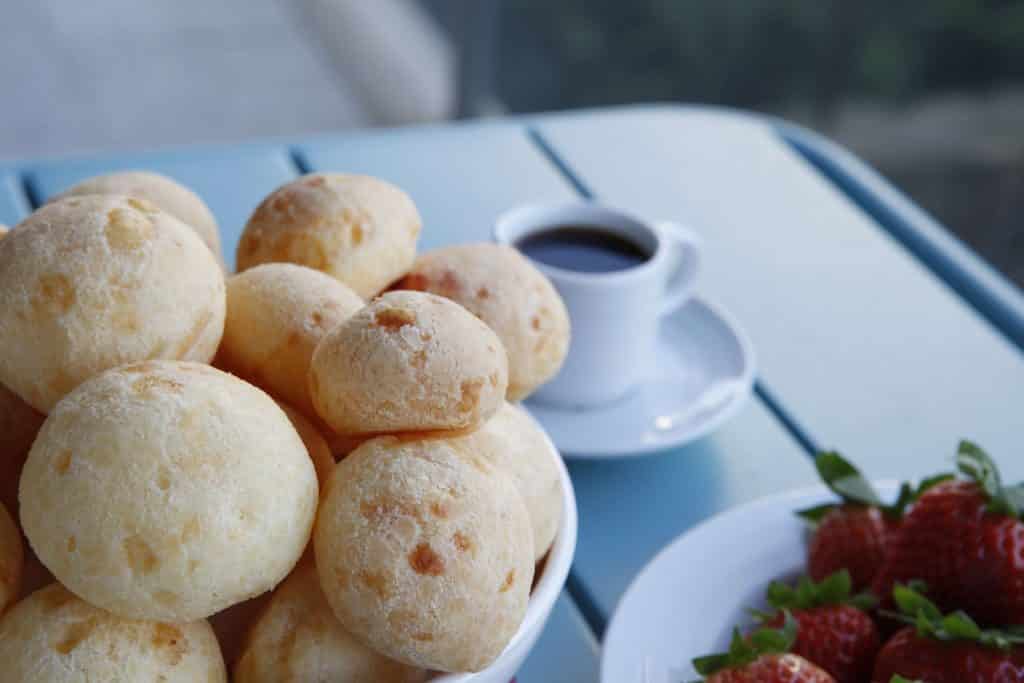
(548, 588)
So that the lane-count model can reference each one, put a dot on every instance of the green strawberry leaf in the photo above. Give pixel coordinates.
(900, 679)
(833, 590)
(770, 640)
(975, 463)
(959, 626)
(912, 603)
(816, 513)
(845, 480)
(922, 613)
(743, 651)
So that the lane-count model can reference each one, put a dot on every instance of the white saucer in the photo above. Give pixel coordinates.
(687, 600)
(702, 373)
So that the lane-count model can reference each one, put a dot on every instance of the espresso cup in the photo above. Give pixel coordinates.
(614, 312)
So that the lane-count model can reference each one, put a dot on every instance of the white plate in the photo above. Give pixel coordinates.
(702, 373)
(687, 600)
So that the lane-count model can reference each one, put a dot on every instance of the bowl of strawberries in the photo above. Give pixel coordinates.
(848, 582)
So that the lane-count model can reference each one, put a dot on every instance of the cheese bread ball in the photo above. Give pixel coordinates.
(19, 424)
(231, 624)
(168, 490)
(358, 229)
(514, 443)
(425, 552)
(169, 195)
(298, 638)
(12, 559)
(408, 361)
(54, 637)
(316, 445)
(89, 283)
(501, 287)
(277, 313)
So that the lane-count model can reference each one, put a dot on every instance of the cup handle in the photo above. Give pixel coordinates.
(684, 263)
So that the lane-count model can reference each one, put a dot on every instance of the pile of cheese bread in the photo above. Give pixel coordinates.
(311, 470)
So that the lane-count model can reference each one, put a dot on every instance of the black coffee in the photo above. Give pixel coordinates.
(583, 248)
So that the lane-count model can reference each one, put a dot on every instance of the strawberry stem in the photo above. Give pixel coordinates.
(975, 463)
(919, 611)
(847, 482)
(836, 589)
(743, 651)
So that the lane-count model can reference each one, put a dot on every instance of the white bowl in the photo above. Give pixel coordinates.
(687, 600)
(543, 598)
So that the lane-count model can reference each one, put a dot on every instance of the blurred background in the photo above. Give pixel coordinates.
(931, 92)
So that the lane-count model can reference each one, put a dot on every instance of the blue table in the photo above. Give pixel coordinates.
(877, 332)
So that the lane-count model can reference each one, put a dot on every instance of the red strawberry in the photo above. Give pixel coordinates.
(833, 631)
(965, 540)
(774, 669)
(854, 535)
(762, 659)
(948, 649)
(851, 537)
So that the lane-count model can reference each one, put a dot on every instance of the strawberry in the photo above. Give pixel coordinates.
(854, 535)
(965, 540)
(948, 649)
(851, 537)
(833, 631)
(762, 658)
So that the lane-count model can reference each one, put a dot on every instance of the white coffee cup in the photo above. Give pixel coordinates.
(614, 314)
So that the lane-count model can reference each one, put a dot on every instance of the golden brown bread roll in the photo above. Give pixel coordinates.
(502, 288)
(515, 444)
(168, 490)
(408, 361)
(298, 638)
(89, 283)
(169, 195)
(54, 637)
(277, 313)
(425, 552)
(356, 228)
(231, 624)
